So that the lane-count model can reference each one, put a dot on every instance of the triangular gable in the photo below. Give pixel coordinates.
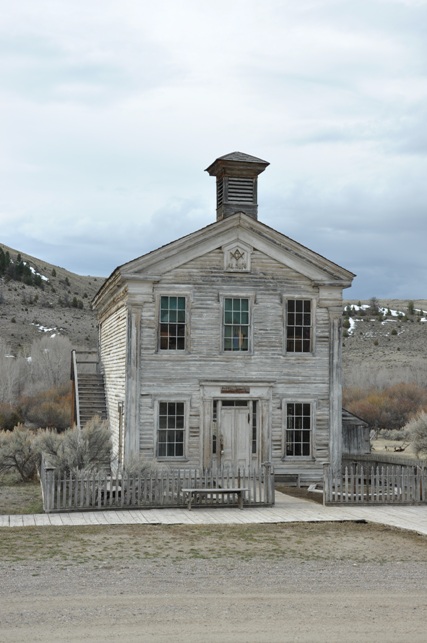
(253, 233)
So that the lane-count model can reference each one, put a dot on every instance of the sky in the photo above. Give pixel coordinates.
(110, 111)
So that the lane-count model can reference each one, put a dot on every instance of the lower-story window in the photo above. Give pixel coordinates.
(298, 429)
(170, 438)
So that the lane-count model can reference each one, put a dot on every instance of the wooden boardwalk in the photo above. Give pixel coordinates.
(286, 509)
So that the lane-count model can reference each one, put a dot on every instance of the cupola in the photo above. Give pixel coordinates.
(236, 184)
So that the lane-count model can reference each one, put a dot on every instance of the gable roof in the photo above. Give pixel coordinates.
(239, 227)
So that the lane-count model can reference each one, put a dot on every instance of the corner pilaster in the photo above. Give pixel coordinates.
(139, 293)
(335, 389)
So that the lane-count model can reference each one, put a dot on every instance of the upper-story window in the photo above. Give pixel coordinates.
(236, 324)
(299, 326)
(172, 323)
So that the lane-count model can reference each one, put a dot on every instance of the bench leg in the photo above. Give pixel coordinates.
(190, 498)
(240, 497)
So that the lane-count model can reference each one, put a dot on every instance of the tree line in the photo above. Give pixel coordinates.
(18, 270)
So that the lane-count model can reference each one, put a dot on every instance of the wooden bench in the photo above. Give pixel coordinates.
(237, 491)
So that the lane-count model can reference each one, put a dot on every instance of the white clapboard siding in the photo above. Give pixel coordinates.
(113, 332)
(180, 374)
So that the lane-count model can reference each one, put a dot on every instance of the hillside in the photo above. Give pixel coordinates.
(378, 350)
(60, 305)
(386, 349)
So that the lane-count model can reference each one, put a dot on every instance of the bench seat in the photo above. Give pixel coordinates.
(238, 491)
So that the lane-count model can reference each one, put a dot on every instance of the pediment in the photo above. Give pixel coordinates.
(237, 237)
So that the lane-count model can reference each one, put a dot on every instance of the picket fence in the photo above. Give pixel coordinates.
(83, 491)
(364, 483)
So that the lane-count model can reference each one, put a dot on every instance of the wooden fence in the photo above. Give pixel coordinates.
(364, 483)
(83, 491)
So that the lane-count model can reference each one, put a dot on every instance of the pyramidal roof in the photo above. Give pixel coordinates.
(240, 156)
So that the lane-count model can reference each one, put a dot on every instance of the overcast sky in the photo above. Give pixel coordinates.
(111, 110)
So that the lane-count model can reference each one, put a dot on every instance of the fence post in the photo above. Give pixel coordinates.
(268, 483)
(326, 488)
(48, 489)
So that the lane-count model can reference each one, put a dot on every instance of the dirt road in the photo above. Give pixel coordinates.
(256, 583)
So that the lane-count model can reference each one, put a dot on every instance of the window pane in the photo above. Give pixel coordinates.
(236, 324)
(170, 441)
(298, 326)
(298, 429)
(172, 323)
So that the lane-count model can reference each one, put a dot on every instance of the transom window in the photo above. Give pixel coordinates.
(298, 429)
(236, 324)
(170, 442)
(172, 323)
(298, 326)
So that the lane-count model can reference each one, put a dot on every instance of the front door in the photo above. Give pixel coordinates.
(236, 433)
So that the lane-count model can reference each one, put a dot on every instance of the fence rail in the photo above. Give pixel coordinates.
(381, 484)
(82, 491)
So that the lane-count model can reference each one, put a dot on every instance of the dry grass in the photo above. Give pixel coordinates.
(19, 497)
(108, 545)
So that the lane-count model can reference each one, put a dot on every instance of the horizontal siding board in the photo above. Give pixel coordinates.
(113, 334)
(179, 374)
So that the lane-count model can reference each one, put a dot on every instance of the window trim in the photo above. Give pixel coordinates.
(172, 293)
(176, 399)
(251, 300)
(312, 326)
(297, 400)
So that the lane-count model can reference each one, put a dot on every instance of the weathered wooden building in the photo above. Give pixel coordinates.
(224, 346)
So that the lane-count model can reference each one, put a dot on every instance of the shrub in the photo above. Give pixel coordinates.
(417, 431)
(388, 408)
(394, 434)
(89, 448)
(9, 417)
(138, 465)
(49, 409)
(18, 452)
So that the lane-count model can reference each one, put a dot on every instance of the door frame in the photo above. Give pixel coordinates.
(260, 391)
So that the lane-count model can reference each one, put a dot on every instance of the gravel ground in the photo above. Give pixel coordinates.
(304, 582)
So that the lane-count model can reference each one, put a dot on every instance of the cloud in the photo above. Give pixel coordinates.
(110, 112)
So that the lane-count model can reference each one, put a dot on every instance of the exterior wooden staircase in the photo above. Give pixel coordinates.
(88, 387)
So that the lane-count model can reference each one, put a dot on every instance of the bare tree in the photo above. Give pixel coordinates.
(12, 375)
(49, 363)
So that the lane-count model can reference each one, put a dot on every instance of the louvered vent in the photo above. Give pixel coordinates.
(219, 192)
(240, 190)
(236, 184)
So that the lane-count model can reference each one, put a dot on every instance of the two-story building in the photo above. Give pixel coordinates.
(224, 346)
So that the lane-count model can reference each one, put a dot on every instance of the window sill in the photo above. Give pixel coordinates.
(295, 354)
(172, 353)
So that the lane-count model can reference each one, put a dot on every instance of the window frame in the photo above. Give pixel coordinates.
(165, 399)
(312, 415)
(186, 335)
(250, 300)
(303, 326)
